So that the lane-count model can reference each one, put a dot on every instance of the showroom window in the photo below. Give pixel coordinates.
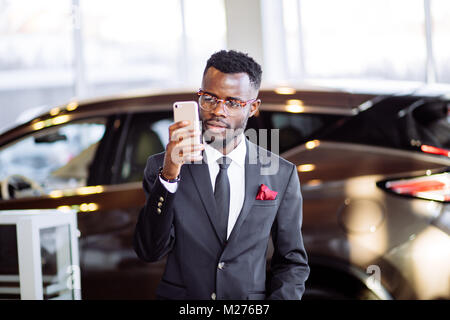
(205, 26)
(54, 158)
(352, 40)
(130, 44)
(36, 57)
(369, 39)
(53, 51)
(151, 44)
(441, 30)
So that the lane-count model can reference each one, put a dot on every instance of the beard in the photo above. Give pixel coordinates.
(220, 139)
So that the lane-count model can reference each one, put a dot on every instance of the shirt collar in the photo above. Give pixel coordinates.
(237, 155)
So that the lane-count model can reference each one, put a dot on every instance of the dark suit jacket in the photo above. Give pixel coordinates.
(200, 264)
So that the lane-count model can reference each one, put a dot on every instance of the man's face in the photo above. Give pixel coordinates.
(217, 124)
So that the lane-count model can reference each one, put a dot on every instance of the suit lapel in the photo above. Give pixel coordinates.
(252, 172)
(202, 180)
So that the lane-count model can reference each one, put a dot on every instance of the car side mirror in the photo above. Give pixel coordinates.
(50, 138)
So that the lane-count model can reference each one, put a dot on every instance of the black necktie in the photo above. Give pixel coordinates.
(222, 195)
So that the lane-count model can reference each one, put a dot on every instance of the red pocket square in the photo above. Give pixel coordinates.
(265, 193)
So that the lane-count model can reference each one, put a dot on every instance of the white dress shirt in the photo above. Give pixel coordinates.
(236, 177)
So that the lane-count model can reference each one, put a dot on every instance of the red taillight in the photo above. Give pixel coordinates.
(434, 150)
(431, 187)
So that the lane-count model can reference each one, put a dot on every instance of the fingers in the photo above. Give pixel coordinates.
(184, 146)
(187, 153)
(183, 134)
(178, 125)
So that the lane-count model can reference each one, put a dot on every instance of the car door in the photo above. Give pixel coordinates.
(110, 267)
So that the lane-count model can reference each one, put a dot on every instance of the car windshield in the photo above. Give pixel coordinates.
(54, 158)
(398, 122)
(294, 128)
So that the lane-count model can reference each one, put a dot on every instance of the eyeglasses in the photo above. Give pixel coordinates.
(231, 106)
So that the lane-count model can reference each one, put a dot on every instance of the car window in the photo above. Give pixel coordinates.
(432, 122)
(54, 158)
(298, 128)
(148, 134)
(398, 122)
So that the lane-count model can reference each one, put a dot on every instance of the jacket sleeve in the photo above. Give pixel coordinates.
(289, 266)
(154, 234)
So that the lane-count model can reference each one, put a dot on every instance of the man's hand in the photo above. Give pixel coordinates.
(178, 153)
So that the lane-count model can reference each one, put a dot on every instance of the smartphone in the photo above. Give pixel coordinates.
(188, 110)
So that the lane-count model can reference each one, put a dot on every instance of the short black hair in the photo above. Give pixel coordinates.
(235, 62)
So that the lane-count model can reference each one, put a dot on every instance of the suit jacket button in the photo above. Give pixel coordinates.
(213, 296)
(161, 199)
(159, 204)
(221, 265)
(158, 210)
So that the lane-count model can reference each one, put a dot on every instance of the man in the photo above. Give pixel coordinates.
(213, 213)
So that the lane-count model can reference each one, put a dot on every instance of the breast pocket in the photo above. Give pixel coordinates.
(265, 202)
